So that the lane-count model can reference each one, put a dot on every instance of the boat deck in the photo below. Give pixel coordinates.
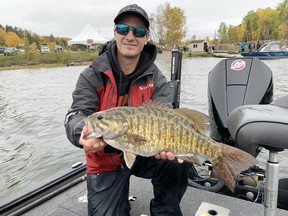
(67, 204)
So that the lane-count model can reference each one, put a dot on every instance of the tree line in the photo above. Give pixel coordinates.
(168, 29)
(259, 25)
(21, 38)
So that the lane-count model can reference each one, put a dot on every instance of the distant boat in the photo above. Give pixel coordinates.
(226, 55)
(269, 50)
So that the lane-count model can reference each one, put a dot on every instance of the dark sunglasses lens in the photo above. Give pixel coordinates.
(139, 31)
(122, 29)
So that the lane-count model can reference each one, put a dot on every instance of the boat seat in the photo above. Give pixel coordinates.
(255, 126)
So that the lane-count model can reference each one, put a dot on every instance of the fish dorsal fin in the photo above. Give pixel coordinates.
(158, 105)
(129, 159)
(199, 120)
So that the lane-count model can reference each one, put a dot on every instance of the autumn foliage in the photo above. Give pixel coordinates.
(262, 24)
(17, 37)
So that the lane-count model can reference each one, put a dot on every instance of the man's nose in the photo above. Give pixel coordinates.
(130, 34)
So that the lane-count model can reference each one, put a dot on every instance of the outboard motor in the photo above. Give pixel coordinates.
(233, 83)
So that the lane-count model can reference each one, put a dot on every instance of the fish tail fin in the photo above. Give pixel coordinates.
(233, 162)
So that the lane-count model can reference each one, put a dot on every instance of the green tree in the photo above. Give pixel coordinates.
(30, 49)
(8, 28)
(2, 37)
(170, 24)
(283, 16)
(250, 22)
(223, 32)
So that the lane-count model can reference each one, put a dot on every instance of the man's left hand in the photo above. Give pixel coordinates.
(167, 156)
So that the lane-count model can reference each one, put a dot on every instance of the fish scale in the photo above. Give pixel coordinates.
(169, 137)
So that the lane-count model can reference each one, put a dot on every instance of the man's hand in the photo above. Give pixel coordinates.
(167, 156)
(93, 144)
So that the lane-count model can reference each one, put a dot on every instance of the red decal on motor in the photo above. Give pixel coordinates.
(238, 65)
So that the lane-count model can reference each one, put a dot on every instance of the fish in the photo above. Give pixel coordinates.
(154, 127)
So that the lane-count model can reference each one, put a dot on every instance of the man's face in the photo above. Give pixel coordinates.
(128, 45)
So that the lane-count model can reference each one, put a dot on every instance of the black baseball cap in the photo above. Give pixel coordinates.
(133, 9)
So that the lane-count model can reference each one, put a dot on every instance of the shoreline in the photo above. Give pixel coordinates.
(19, 67)
(77, 62)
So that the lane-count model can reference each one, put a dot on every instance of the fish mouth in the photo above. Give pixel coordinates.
(92, 134)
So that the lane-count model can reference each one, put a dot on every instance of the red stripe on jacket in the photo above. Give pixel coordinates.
(138, 93)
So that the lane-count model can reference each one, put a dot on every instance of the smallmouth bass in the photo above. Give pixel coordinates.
(152, 128)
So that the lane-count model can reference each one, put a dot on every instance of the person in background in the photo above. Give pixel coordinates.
(205, 47)
(251, 46)
(124, 75)
(242, 47)
(258, 45)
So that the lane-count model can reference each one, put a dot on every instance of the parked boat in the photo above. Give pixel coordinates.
(226, 55)
(269, 50)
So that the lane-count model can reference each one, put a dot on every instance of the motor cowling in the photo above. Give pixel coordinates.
(232, 83)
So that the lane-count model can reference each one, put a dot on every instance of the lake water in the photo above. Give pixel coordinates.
(33, 103)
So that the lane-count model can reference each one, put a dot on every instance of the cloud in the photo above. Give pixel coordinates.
(67, 17)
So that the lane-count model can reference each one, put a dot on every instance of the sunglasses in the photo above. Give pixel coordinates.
(138, 31)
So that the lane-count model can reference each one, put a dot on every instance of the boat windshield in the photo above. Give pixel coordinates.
(270, 47)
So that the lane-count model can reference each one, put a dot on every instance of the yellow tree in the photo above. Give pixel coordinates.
(235, 34)
(12, 39)
(267, 20)
(170, 23)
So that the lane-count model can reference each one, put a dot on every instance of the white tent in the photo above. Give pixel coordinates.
(87, 37)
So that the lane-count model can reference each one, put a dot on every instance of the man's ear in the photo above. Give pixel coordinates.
(114, 31)
(147, 38)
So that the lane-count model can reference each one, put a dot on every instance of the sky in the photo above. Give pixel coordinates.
(67, 18)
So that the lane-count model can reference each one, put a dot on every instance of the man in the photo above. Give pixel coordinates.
(242, 47)
(125, 74)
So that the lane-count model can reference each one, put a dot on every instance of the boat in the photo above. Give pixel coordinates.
(226, 55)
(65, 200)
(66, 193)
(269, 50)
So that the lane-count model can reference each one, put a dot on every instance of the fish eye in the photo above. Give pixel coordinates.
(100, 117)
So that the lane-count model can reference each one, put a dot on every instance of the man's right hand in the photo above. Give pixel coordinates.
(91, 144)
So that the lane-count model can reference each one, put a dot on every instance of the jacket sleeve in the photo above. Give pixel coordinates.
(85, 102)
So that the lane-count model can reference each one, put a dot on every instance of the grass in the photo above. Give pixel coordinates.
(197, 54)
(38, 60)
(59, 59)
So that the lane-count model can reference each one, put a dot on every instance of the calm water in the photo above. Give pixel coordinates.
(33, 103)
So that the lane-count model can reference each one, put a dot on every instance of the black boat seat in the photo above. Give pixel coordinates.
(256, 126)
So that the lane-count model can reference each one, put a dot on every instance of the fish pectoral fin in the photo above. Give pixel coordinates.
(195, 159)
(129, 159)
